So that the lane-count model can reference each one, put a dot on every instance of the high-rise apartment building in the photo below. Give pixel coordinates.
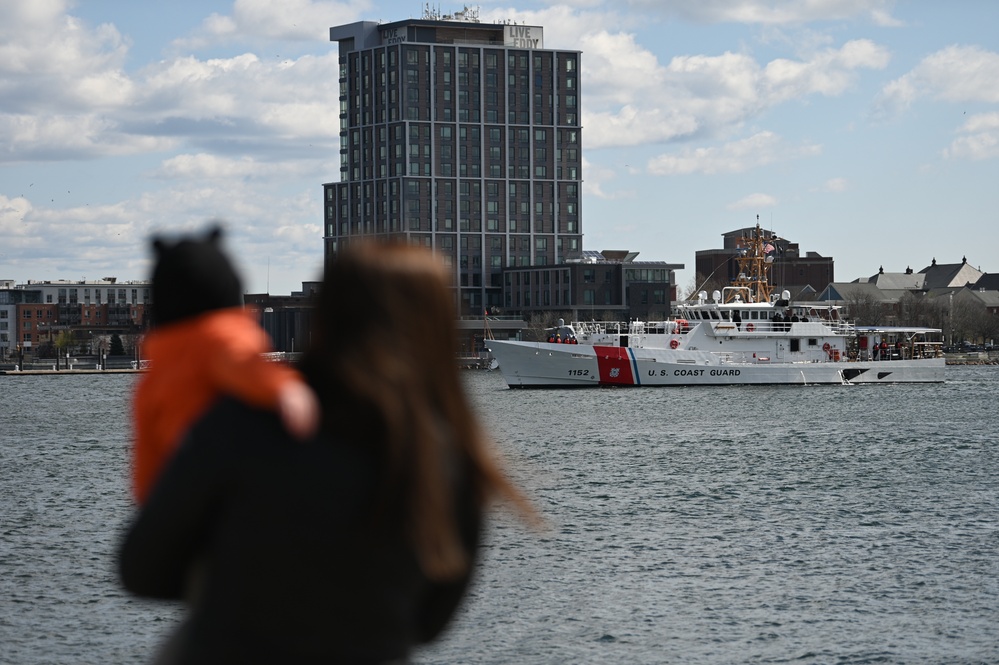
(463, 137)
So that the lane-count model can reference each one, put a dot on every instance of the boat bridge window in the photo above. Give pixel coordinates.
(714, 315)
(754, 314)
(725, 315)
(795, 344)
(812, 341)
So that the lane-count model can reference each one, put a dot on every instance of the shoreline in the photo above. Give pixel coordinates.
(58, 372)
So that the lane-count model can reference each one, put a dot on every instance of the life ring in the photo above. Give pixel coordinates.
(674, 343)
(826, 347)
(750, 327)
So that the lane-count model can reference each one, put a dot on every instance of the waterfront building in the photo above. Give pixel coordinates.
(951, 296)
(608, 285)
(34, 314)
(802, 275)
(287, 319)
(463, 137)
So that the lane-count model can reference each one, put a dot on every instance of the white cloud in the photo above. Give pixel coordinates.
(262, 226)
(255, 136)
(735, 157)
(980, 140)
(835, 185)
(244, 95)
(632, 99)
(289, 20)
(773, 12)
(49, 60)
(599, 181)
(954, 74)
(29, 138)
(77, 102)
(754, 201)
(830, 72)
(12, 214)
(204, 166)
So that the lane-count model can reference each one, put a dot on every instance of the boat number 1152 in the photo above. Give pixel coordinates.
(579, 372)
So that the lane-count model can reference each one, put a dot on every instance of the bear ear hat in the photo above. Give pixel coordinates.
(214, 233)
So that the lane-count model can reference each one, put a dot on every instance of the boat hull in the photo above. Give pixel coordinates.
(545, 365)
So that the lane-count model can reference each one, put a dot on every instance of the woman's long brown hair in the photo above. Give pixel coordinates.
(383, 358)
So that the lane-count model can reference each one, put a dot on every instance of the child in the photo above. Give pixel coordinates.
(204, 345)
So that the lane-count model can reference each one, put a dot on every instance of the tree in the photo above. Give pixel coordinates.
(984, 325)
(702, 283)
(912, 309)
(538, 324)
(937, 314)
(117, 348)
(866, 309)
(62, 343)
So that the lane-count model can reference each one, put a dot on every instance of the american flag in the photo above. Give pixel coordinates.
(769, 248)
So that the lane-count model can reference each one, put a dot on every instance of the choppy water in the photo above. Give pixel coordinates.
(685, 525)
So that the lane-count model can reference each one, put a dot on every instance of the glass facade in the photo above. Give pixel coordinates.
(458, 142)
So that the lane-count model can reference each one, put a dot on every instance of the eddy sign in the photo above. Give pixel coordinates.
(523, 36)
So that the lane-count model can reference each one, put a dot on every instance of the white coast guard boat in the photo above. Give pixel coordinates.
(740, 336)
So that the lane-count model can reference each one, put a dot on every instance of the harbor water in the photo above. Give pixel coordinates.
(800, 524)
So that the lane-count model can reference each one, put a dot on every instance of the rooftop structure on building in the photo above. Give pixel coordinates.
(612, 284)
(463, 137)
(802, 275)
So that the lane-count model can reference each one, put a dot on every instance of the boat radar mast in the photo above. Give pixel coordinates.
(754, 258)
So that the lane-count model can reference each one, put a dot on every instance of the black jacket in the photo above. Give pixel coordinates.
(295, 567)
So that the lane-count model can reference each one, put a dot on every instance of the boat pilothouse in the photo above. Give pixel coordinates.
(741, 335)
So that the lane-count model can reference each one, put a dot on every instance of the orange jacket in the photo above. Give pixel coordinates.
(192, 363)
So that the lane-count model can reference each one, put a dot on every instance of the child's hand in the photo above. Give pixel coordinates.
(299, 409)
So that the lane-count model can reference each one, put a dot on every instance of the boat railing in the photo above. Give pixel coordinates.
(597, 327)
(682, 325)
(839, 328)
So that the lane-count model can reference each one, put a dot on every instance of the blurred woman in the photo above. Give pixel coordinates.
(359, 544)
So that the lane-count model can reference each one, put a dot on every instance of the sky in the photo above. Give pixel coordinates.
(865, 130)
